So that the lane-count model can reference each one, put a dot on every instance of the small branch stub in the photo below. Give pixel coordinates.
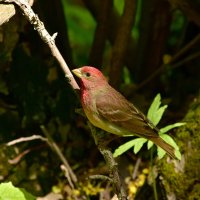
(45, 36)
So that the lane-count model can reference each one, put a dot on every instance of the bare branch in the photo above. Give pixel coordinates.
(102, 177)
(180, 53)
(135, 172)
(55, 148)
(99, 41)
(18, 158)
(111, 163)
(67, 175)
(25, 139)
(45, 36)
(121, 41)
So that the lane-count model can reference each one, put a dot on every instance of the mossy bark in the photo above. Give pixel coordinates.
(182, 179)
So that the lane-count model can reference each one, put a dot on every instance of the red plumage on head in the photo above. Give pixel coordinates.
(92, 70)
(92, 77)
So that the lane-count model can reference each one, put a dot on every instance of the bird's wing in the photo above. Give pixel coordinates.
(113, 107)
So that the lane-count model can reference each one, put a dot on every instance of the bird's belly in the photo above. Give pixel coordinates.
(89, 109)
(102, 124)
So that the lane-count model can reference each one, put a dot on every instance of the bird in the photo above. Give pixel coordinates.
(110, 111)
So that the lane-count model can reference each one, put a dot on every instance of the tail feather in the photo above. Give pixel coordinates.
(165, 146)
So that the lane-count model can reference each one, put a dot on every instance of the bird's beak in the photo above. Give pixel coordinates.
(77, 72)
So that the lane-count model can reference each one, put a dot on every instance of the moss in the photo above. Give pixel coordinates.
(172, 180)
(182, 178)
(195, 194)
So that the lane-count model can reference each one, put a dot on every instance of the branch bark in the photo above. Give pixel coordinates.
(121, 41)
(180, 53)
(52, 25)
(99, 41)
(69, 173)
(93, 7)
(154, 27)
(45, 36)
(49, 40)
(110, 162)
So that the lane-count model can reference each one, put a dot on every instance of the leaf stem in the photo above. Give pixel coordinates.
(153, 178)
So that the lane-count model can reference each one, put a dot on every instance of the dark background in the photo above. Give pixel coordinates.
(143, 47)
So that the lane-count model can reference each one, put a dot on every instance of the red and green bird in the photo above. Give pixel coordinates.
(109, 110)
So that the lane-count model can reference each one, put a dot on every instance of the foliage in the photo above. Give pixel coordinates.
(8, 191)
(187, 172)
(81, 23)
(155, 114)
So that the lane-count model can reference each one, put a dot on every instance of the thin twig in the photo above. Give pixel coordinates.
(46, 37)
(102, 177)
(25, 139)
(135, 172)
(15, 160)
(55, 148)
(67, 175)
(186, 48)
(187, 59)
(53, 145)
(50, 41)
(180, 53)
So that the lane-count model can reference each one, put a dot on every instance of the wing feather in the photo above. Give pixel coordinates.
(113, 107)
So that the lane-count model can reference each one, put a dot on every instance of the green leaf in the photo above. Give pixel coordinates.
(154, 107)
(159, 114)
(138, 144)
(9, 192)
(171, 141)
(124, 147)
(149, 144)
(171, 126)
(160, 152)
(155, 112)
(178, 154)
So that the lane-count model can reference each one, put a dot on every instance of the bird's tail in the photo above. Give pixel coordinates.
(165, 146)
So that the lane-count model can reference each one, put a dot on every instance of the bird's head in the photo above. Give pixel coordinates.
(90, 77)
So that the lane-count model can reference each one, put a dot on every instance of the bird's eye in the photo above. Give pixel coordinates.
(87, 74)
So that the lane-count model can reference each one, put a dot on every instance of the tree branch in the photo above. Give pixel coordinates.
(113, 24)
(99, 41)
(45, 36)
(110, 162)
(180, 53)
(49, 40)
(69, 174)
(121, 41)
(25, 139)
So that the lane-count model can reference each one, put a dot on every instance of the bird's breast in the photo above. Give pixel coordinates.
(89, 106)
